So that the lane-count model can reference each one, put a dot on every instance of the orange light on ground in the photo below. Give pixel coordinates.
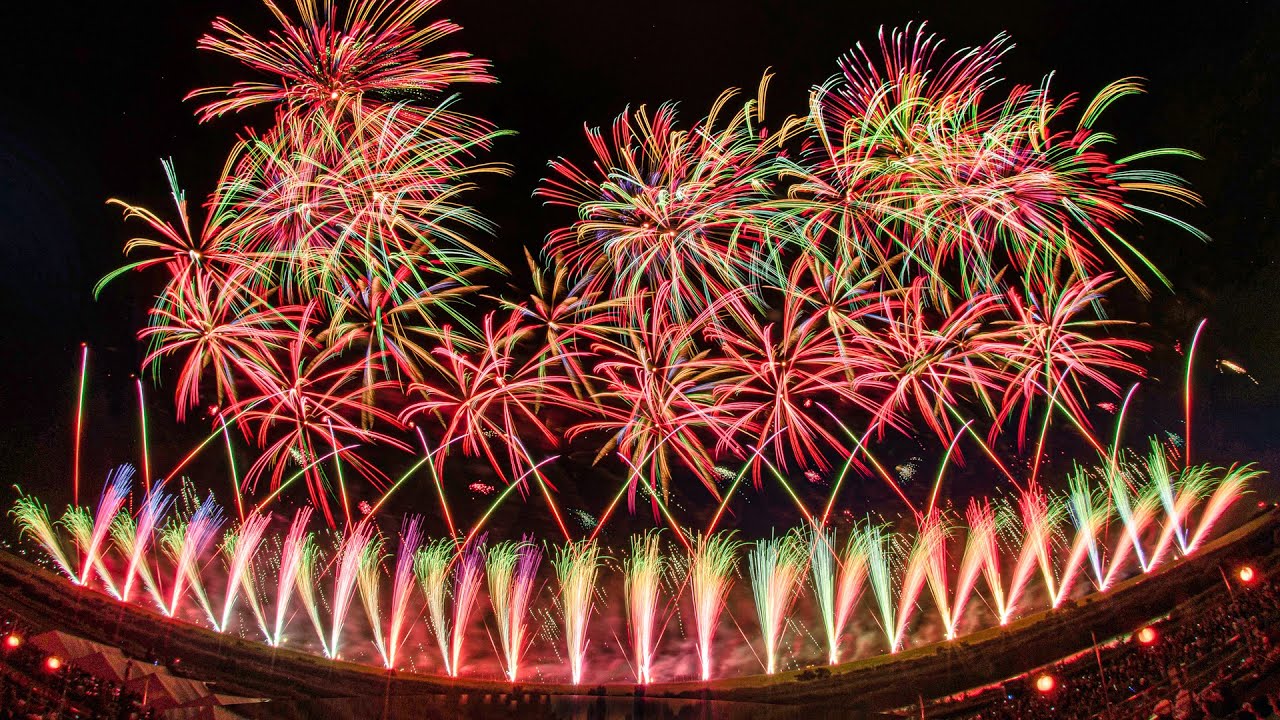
(53, 663)
(12, 641)
(1147, 635)
(1247, 575)
(1045, 683)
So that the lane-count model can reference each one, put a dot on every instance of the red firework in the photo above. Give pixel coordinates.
(491, 395)
(326, 62)
(303, 410)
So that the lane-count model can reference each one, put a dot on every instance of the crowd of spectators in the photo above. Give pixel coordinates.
(37, 686)
(1221, 661)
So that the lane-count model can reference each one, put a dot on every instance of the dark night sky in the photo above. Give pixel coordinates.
(92, 101)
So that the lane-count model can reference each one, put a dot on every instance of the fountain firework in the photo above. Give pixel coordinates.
(643, 576)
(776, 567)
(512, 570)
(576, 565)
(711, 566)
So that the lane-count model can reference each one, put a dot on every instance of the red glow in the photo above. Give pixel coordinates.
(1147, 635)
(12, 641)
(1046, 683)
(53, 662)
(1246, 574)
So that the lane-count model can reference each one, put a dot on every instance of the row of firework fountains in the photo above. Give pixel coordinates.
(916, 252)
(1127, 514)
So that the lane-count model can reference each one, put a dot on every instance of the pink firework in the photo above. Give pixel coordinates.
(467, 578)
(351, 553)
(327, 62)
(292, 556)
(402, 586)
(241, 546)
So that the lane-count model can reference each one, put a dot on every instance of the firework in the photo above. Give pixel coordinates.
(850, 583)
(467, 578)
(1229, 489)
(822, 562)
(298, 543)
(1056, 348)
(492, 395)
(32, 518)
(1162, 481)
(776, 567)
(1089, 511)
(512, 570)
(1136, 511)
(114, 493)
(710, 576)
(351, 558)
(402, 586)
(968, 182)
(643, 572)
(345, 62)
(576, 565)
(368, 582)
(1039, 516)
(920, 570)
(185, 541)
(934, 534)
(981, 558)
(668, 207)
(309, 558)
(431, 565)
(240, 546)
(310, 398)
(882, 551)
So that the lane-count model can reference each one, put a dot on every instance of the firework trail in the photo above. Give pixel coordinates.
(1193, 484)
(240, 546)
(882, 550)
(134, 538)
(350, 556)
(822, 566)
(1231, 488)
(292, 561)
(935, 534)
(512, 570)
(1089, 512)
(1136, 510)
(850, 583)
(32, 518)
(78, 522)
(468, 576)
(981, 552)
(926, 565)
(710, 576)
(576, 565)
(114, 493)
(402, 586)
(1162, 480)
(369, 581)
(776, 567)
(1039, 518)
(185, 541)
(643, 575)
(431, 565)
(309, 558)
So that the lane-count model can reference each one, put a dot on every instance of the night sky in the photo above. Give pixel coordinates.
(93, 100)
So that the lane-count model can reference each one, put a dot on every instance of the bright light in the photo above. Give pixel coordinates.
(53, 662)
(1246, 574)
(1147, 635)
(12, 641)
(1045, 683)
